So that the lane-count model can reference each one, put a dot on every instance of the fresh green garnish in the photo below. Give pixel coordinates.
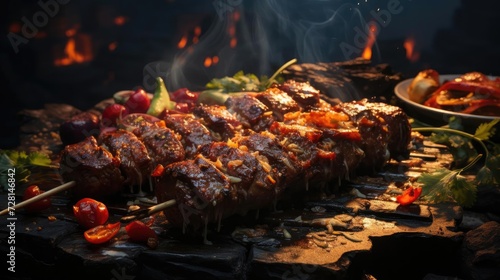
(22, 162)
(246, 82)
(449, 185)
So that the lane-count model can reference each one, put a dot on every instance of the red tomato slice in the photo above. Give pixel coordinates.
(409, 196)
(139, 232)
(33, 191)
(90, 213)
(102, 233)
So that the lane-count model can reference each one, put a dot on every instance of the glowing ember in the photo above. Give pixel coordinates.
(233, 42)
(112, 46)
(367, 52)
(78, 49)
(409, 46)
(207, 62)
(182, 42)
(120, 20)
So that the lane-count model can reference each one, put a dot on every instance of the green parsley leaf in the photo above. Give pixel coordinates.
(445, 185)
(486, 130)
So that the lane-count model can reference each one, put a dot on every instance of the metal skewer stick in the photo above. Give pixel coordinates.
(39, 197)
(146, 212)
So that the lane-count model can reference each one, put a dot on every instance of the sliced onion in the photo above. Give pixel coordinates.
(135, 120)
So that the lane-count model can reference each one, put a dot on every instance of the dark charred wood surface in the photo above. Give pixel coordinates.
(348, 80)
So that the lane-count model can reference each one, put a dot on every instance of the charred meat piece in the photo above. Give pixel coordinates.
(194, 134)
(266, 145)
(249, 173)
(163, 145)
(95, 170)
(133, 155)
(323, 154)
(279, 102)
(219, 120)
(201, 191)
(250, 112)
(303, 93)
(388, 122)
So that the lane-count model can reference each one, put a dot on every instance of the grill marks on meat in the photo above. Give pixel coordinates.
(252, 113)
(385, 131)
(95, 170)
(303, 93)
(219, 120)
(193, 133)
(278, 102)
(135, 162)
(163, 144)
(198, 187)
(123, 158)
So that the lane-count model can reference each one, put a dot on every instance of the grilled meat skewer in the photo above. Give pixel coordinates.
(244, 155)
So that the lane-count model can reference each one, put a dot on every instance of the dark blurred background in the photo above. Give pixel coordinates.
(81, 52)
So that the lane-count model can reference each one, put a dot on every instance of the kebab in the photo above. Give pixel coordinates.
(295, 149)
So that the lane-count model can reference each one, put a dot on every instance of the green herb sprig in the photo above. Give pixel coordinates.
(449, 185)
(22, 162)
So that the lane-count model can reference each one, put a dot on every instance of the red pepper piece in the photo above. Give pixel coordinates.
(474, 106)
(409, 196)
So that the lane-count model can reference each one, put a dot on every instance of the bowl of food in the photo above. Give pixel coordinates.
(433, 98)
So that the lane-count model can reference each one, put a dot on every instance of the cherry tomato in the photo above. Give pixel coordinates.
(90, 213)
(112, 113)
(184, 95)
(139, 232)
(409, 196)
(138, 102)
(101, 233)
(33, 191)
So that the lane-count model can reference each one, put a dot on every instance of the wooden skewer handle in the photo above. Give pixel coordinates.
(39, 197)
(159, 207)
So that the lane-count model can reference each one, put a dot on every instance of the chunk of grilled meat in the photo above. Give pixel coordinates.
(385, 129)
(135, 162)
(250, 112)
(303, 93)
(200, 191)
(194, 134)
(95, 170)
(219, 120)
(278, 102)
(163, 144)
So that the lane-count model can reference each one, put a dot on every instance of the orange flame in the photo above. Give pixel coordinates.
(208, 62)
(78, 49)
(367, 52)
(409, 46)
(182, 42)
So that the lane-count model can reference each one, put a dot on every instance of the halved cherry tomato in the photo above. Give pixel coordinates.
(33, 191)
(139, 232)
(409, 195)
(90, 212)
(101, 233)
